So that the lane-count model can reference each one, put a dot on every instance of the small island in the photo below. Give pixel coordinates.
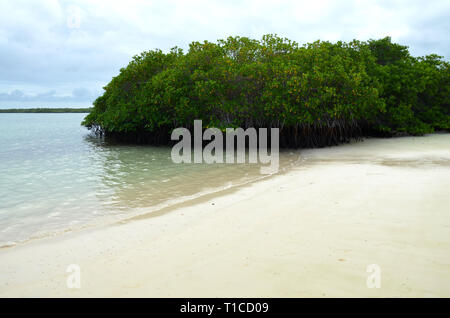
(318, 94)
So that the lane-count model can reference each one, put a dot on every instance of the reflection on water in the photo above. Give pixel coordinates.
(55, 176)
(145, 176)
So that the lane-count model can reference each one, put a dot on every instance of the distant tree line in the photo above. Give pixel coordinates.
(46, 110)
(318, 94)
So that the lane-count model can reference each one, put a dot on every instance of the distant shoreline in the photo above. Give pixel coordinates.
(46, 110)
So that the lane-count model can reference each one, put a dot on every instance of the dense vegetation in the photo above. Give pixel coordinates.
(318, 94)
(46, 110)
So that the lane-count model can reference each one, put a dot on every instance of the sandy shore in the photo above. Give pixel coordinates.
(309, 232)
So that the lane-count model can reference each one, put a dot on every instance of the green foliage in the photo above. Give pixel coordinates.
(339, 90)
(415, 90)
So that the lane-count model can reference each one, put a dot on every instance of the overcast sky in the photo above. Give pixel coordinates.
(61, 53)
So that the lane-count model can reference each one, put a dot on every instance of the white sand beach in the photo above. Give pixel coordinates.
(310, 232)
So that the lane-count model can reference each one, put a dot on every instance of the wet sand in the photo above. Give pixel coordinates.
(312, 231)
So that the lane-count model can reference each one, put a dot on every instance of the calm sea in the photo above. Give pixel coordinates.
(55, 176)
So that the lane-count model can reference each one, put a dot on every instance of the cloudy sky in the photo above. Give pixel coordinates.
(61, 53)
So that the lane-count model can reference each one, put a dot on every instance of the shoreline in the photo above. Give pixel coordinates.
(309, 232)
(152, 211)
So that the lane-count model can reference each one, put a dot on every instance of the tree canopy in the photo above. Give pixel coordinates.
(318, 94)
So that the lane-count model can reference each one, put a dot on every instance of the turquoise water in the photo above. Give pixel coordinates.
(55, 176)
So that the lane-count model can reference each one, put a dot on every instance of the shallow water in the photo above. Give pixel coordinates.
(55, 176)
